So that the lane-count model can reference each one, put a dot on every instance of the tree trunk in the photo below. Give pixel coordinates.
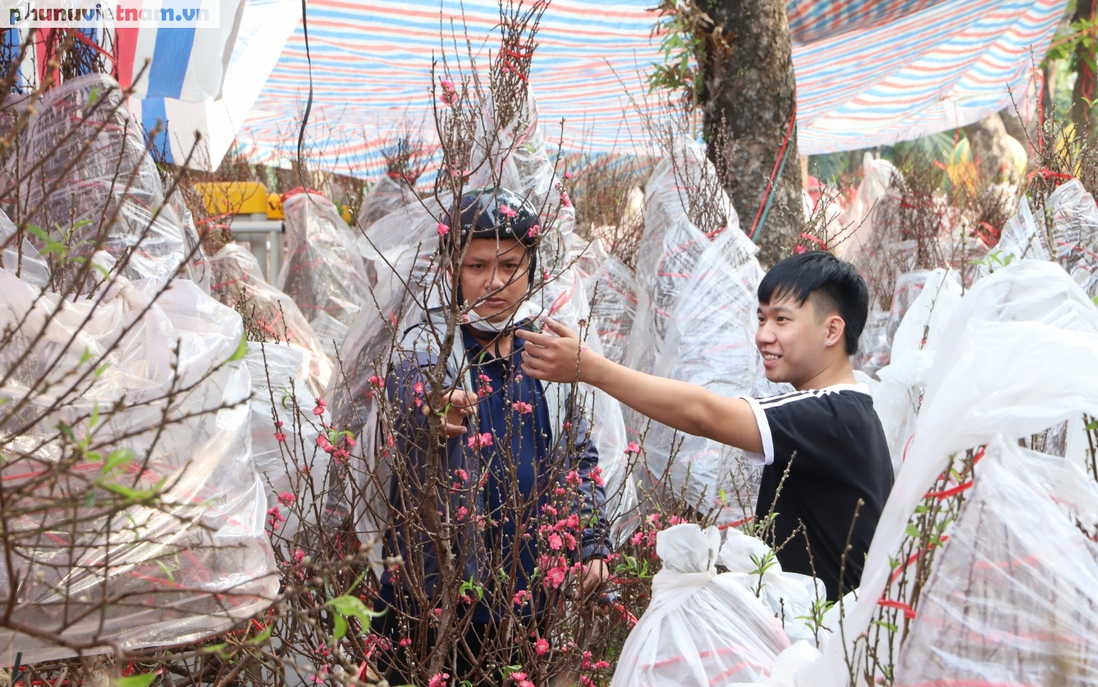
(1086, 80)
(988, 142)
(750, 91)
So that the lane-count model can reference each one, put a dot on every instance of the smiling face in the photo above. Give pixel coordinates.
(798, 342)
(495, 277)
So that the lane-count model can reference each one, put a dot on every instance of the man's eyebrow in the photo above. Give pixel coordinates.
(782, 308)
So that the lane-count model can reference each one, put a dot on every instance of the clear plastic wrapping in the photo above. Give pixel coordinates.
(695, 321)
(1068, 234)
(1018, 355)
(701, 629)
(183, 567)
(878, 177)
(238, 282)
(924, 303)
(93, 167)
(277, 373)
(323, 272)
(386, 196)
(613, 306)
(1013, 596)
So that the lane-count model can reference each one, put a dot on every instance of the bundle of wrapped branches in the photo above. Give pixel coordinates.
(237, 281)
(137, 515)
(695, 321)
(324, 272)
(86, 179)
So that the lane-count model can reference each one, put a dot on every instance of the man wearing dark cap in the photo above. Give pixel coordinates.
(513, 446)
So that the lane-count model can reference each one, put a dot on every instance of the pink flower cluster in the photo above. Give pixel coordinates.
(274, 518)
(480, 440)
(438, 680)
(521, 680)
(522, 407)
(449, 93)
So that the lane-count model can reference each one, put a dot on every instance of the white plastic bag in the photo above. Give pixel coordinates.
(701, 629)
(790, 597)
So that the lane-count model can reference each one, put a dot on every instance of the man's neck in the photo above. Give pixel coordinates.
(839, 372)
(503, 343)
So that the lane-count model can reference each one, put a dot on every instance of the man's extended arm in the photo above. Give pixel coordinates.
(686, 407)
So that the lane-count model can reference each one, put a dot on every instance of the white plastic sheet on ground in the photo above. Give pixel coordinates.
(701, 629)
(695, 321)
(1019, 355)
(1013, 596)
(323, 272)
(180, 571)
(112, 179)
(238, 283)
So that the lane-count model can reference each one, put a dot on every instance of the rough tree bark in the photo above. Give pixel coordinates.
(750, 90)
(1086, 79)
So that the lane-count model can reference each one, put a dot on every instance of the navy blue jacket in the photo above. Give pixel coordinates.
(542, 452)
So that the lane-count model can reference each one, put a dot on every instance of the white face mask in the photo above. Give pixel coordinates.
(525, 311)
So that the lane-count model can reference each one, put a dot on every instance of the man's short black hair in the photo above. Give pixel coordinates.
(835, 282)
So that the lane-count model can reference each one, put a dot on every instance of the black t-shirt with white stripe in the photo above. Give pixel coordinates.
(841, 455)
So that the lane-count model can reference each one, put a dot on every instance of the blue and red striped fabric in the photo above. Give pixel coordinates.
(869, 72)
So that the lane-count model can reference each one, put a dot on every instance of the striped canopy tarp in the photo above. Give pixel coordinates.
(869, 72)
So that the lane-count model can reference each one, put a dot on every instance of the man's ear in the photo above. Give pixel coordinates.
(836, 331)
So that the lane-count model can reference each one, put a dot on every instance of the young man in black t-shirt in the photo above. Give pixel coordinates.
(812, 308)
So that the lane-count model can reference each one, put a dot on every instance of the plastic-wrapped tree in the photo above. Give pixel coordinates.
(695, 322)
(404, 162)
(238, 283)
(88, 181)
(1067, 234)
(149, 529)
(614, 306)
(323, 272)
(1013, 597)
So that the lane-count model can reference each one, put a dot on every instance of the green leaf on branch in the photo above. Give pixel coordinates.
(350, 606)
(137, 680)
(122, 456)
(241, 350)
